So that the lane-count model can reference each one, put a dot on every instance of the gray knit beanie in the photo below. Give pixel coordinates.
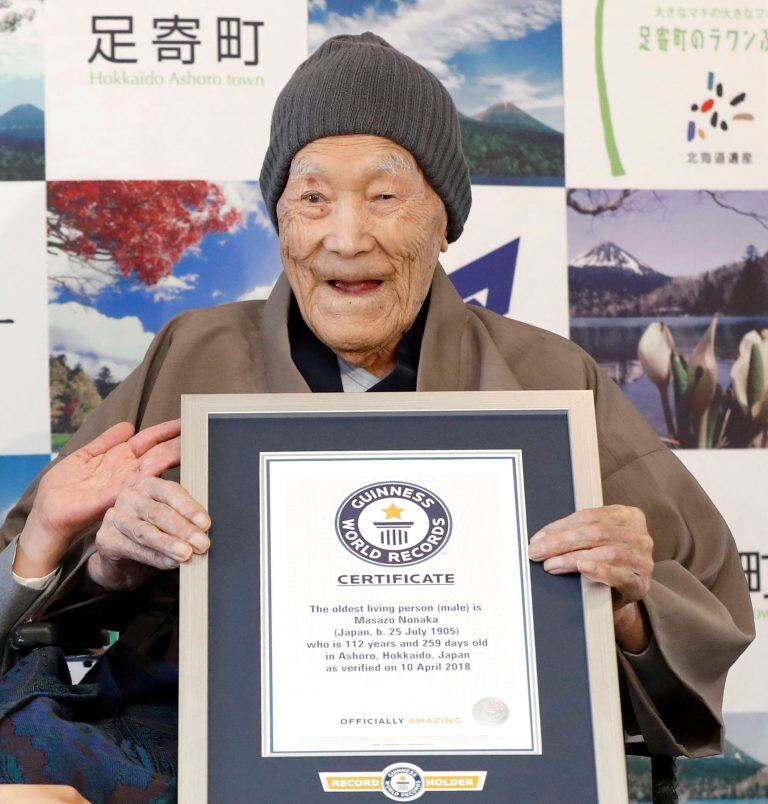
(362, 85)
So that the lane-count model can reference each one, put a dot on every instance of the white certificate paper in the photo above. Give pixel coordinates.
(396, 611)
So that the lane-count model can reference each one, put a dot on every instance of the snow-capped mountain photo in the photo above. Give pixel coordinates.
(502, 63)
(607, 274)
(689, 264)
(611, 256)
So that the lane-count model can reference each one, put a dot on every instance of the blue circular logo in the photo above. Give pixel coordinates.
(402, 781)
(393, 523)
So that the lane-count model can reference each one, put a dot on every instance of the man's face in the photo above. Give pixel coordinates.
(360, 233)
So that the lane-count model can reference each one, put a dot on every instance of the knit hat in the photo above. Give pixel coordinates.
(362, 85)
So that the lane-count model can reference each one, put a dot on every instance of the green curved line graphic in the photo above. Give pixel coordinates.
(617, 169)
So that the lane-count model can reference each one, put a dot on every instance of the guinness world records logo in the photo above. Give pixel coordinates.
(402, 781)
(393, 523)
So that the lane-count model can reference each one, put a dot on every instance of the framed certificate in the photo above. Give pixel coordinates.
(367, 620)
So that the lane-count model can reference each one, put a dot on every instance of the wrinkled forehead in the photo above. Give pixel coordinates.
(323, 158)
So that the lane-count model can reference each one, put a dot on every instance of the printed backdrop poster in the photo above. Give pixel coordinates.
(510, 256)
(500, 60)
(662, 95)
(110, 292)
(669, 293)
(735, 481)
(16, 473)
(124, 257)
(23, 322)
(131, 138)
(22, 128)
(166, 90)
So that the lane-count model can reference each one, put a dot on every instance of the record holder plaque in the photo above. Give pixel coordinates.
(367, 620)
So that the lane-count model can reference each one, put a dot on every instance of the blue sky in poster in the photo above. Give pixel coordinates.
(98, 320)
(226, 267)
(15, 91)
(16, 473)
(521, 61)
(749, 730)
(517, 59)
(21, 60)
(677, 232)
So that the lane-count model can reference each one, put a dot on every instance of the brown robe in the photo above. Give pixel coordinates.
(698, 604)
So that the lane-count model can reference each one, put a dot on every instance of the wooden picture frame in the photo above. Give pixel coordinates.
(575, 408)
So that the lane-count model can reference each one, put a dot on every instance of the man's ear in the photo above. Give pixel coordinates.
(444, 244)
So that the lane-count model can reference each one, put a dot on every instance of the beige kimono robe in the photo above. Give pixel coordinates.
(698, 603)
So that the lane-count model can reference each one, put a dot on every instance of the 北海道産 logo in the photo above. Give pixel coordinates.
(716, 111)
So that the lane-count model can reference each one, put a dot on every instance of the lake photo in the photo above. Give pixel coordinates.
(668, 292)
(612, 342)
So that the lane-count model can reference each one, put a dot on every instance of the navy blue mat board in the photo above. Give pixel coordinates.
(564, 772)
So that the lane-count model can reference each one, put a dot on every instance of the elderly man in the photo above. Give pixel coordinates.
(366, 183)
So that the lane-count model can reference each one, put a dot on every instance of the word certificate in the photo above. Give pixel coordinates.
(396, 606)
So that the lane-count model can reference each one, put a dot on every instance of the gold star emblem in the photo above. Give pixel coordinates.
(393, 512)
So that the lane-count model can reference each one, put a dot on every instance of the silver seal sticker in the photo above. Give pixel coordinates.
(490, 711)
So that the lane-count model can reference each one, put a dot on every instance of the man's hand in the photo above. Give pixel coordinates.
(78, 490)
(40, 794)
(610, 545)
(154, 524)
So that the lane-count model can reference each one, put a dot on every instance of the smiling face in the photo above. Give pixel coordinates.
(360, 233)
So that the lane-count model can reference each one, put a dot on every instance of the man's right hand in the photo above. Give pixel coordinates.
(40, 794)
(154, 524)
(85, 487)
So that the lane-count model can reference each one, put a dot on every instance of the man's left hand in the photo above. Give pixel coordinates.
(611, 545)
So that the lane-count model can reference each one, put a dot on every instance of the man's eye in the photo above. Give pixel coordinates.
(385, 196)
(313, 198)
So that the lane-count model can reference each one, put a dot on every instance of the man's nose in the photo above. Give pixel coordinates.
(348, 234)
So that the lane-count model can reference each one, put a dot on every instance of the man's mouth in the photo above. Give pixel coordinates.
(355, 287)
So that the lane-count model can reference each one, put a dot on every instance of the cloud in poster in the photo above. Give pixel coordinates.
(21, 53)
(245, 196)
(433, 31)
(79, 277)
(93, 339)
(523, 92)
(87, 280)
(168, 288)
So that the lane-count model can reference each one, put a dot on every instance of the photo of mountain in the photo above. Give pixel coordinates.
(22, 129)
(732, 776)
(504, 141)
(22, 143)
(607, 280)
(505, 79)
(607, 276)
(668, 291)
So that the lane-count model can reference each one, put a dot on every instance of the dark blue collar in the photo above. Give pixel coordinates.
(320, 368)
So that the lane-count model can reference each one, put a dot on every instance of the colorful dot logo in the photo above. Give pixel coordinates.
(717, 112)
